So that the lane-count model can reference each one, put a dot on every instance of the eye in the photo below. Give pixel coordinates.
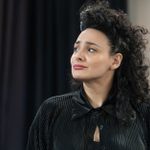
(91, 50)
(75, 49)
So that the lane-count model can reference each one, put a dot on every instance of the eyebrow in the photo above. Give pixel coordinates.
(89, 43)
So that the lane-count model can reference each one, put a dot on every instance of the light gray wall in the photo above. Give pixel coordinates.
(139, 14)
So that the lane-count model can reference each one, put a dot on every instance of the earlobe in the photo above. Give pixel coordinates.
(117, 59)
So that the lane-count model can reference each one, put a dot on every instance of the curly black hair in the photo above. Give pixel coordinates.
(130, 83)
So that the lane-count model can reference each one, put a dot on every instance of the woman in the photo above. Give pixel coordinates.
(110, 110)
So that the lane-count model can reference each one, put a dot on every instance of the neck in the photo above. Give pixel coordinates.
(97, 92)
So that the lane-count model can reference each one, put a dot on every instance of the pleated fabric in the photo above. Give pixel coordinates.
(69, 122)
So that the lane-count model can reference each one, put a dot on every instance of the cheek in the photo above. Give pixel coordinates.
(71, 59)
(96, 61)
(100, 62)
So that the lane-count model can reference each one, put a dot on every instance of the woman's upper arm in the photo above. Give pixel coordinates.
(40, 128)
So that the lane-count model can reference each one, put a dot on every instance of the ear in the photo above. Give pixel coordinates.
(117, 59)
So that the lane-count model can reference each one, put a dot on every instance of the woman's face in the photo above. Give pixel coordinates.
(92, 58)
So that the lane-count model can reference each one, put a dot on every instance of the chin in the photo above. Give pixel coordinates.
(79, 78)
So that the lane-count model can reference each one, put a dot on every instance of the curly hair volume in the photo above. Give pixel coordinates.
(131, 78)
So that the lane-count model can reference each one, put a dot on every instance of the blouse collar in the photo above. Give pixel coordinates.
(81, 105)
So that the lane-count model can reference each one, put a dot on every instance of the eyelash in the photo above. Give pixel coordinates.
(93, 50)
(75, 49)
(89, 49)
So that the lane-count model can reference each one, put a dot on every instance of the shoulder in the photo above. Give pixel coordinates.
(55, 105)
(58, 102)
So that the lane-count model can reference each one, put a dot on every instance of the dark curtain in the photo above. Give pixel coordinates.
(36, 38)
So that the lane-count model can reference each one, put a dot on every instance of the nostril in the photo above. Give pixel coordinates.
(80, 58)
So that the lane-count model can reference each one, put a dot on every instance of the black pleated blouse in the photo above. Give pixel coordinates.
(68, 122)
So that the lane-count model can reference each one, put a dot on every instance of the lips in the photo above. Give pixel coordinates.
(79, 67)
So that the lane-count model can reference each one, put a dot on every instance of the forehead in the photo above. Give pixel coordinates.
(93, 35)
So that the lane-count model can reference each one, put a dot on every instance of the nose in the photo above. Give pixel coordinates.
(79, 55)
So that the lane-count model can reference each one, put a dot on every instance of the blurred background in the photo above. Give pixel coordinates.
(36, 41)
